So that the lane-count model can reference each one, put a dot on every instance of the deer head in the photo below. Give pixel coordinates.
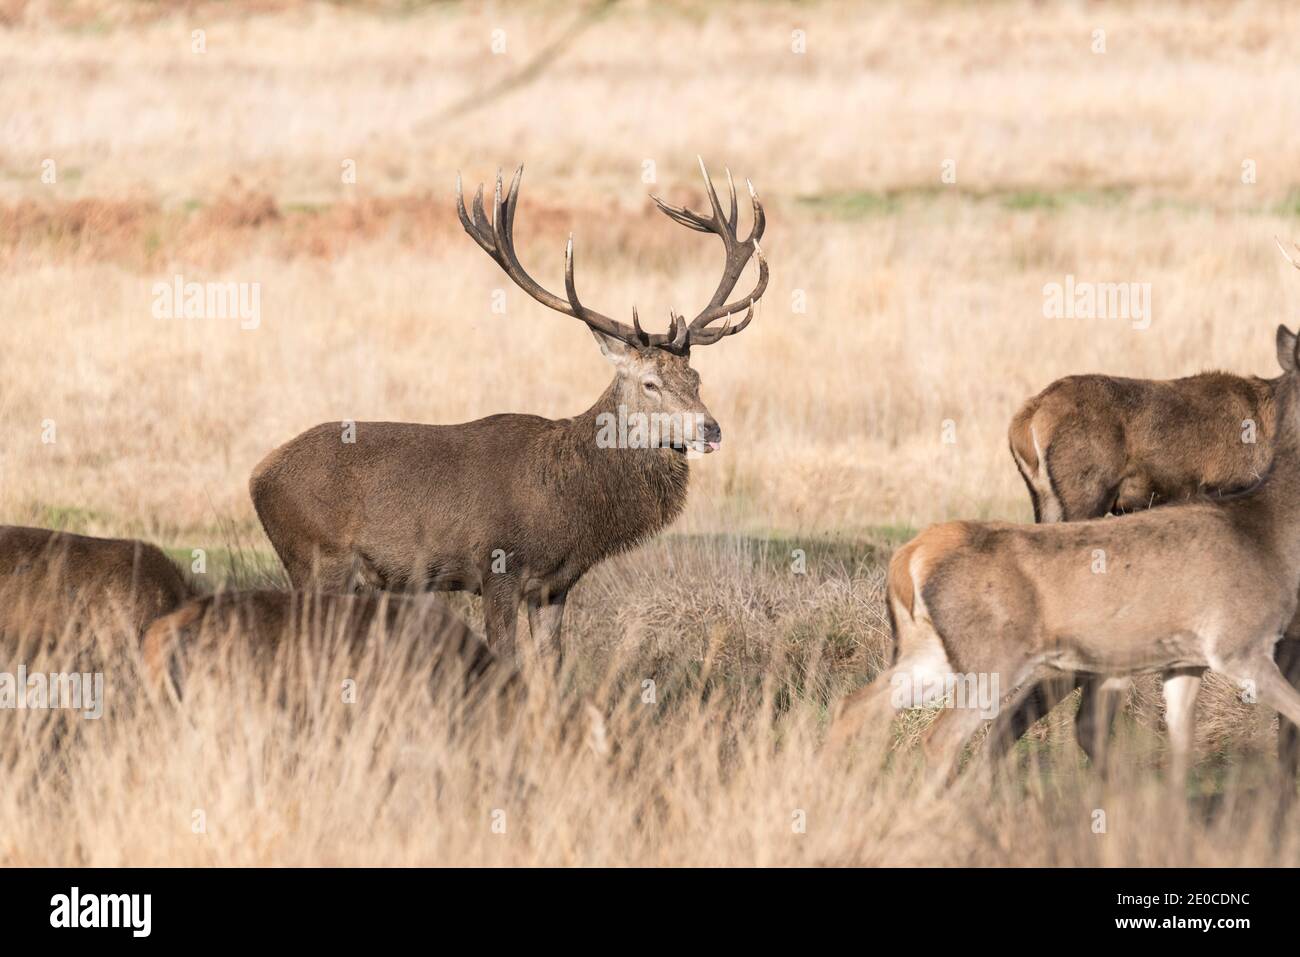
(654, 374)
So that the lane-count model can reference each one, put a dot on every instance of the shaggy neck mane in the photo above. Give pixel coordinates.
(628, 494)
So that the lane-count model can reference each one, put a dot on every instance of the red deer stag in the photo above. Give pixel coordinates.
(51, 579)
(1196, 585)
(513, 507)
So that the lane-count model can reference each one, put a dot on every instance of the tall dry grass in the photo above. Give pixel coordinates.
(898, 303)
(715, 762)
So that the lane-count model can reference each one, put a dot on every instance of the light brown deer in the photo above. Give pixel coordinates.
(290, 628)
(513, 507)
(1193, 586)
(52, 580)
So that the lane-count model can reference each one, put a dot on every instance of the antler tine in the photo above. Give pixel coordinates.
(731, 189)
(712, 312)
(641, 336)
(480, 218)
(684, 216)
(678, 336)
(610, 327)
(707, 337)
(512, 201)
(570, 288)
(681, 340)
(485, 242)
(1285, 255)
(760, 219)
(718, 218)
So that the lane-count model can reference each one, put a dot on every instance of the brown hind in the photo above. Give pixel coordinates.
(50, 579)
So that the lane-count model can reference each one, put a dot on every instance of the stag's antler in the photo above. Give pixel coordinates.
(496, 237)
(1286, 255)
(738, 254)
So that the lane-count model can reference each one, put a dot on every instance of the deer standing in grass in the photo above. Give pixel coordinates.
(512, 507)
(1185, 588)
(1094, 445)
(50, 580)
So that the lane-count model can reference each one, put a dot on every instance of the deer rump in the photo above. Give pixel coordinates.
(1092, 445)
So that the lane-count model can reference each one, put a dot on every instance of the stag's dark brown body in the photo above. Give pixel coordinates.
(513, 507)
(523, 505)
(50, 580)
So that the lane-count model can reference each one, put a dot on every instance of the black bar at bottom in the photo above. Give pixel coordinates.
(333, 907)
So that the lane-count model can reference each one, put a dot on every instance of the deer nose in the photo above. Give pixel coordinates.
(712, 435)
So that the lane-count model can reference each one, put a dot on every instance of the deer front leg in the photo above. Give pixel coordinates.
(1011, 725)
(1098, 704)
(545, 622)
(1180, 690)
(1288, 735)
(500, 613)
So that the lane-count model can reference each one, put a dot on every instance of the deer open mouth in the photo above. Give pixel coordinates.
(699, 446)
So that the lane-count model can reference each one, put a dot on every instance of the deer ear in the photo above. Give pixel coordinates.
(1286, 349)
(615, 350)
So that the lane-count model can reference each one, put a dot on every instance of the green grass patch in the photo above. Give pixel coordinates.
(225, 567)
(866, 204)
(66, 518)
(1290, 206)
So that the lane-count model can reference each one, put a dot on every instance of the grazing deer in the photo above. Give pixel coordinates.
(1196, 585)
(49, 579)
(1093, 445)
(271, 625)
(512, 507)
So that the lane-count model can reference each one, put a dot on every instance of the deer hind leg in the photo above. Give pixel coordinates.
(921, 668)
(501, 613)
(948, 735)
(1180, 690)
(945, 741)
(545, 623)
(1271, 686)
(1288, 734)
(1039, 701)
(868, 707)
(1099, 704)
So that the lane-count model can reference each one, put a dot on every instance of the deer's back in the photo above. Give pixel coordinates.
(1065, 586)
(1166, 439)
(269, 627)
(437, 502)
(48, 579)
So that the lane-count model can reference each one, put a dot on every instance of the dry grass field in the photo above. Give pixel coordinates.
(903, 325)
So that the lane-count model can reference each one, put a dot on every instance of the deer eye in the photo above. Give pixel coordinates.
(651, 386)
